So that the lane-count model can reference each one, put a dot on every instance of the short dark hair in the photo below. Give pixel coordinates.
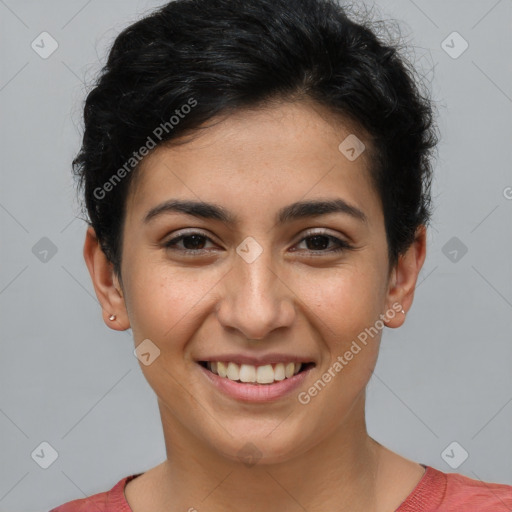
(217, 56)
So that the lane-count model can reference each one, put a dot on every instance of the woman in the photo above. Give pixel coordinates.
(257, 177)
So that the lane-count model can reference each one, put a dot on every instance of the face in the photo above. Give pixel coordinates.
(248, 284)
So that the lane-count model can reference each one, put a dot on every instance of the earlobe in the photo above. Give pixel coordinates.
(405, 275)
(105, 283)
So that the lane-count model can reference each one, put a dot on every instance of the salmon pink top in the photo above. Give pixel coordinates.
(435, 492)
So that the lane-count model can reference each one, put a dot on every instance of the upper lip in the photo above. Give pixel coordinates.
(257, 360)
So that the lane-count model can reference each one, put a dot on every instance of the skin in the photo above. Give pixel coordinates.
(314, 457)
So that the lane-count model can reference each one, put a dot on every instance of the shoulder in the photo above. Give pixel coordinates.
(452, 492)
(112, 500)
(481, 496)
(96, 502)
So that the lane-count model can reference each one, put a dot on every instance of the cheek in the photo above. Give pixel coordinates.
(345, 300)
(346, 304)
(165, 304)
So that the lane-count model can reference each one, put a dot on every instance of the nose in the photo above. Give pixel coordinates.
(255, 300)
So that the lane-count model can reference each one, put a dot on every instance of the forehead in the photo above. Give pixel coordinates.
(257, 160)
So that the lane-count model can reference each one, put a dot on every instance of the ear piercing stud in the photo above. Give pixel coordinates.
(113, 317)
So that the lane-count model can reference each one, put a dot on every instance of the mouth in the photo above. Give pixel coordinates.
(263, 375)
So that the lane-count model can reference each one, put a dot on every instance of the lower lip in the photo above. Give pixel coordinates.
(255, 392)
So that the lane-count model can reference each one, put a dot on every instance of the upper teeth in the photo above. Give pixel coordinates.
(265, 374)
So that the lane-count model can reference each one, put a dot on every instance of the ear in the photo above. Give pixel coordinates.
(402, 283)
(106, 284)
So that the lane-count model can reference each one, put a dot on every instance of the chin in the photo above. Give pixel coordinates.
(261, 446)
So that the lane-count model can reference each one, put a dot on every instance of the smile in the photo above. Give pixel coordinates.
(255, 383)
(247, 373)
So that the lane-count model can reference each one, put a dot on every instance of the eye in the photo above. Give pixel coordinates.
(195, 240)
(316, 242)
(319, 241)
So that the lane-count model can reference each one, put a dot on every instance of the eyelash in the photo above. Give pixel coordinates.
(342, 245)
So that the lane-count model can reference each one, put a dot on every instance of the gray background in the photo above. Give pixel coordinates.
(67, 379)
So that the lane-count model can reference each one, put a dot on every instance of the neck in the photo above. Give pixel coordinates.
(337, 473)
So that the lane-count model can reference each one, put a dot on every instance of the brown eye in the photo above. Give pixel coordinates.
(192, 243)
(319, 243)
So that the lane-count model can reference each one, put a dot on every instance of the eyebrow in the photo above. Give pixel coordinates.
(294, 211)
